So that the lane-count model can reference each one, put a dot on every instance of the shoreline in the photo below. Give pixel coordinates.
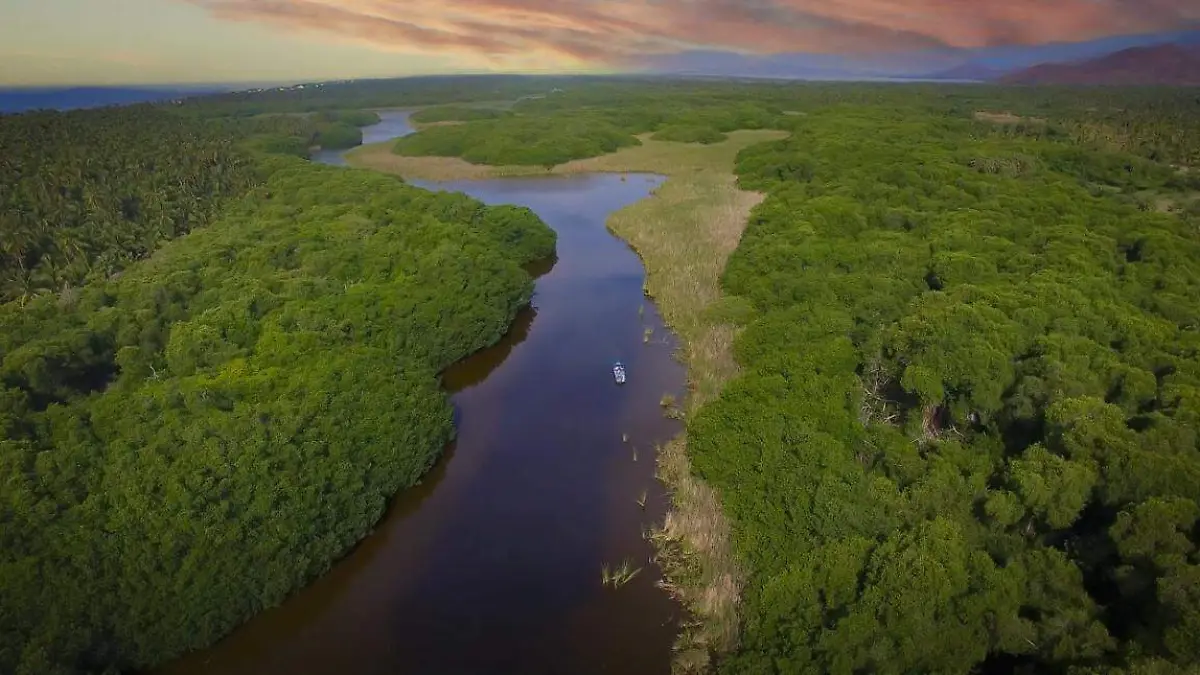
(683, 233)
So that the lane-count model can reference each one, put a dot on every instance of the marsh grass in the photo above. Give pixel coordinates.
(666, 158)
(641, 501)
(684, 235)
(426, 125)
(616, 577)
(1005, 118)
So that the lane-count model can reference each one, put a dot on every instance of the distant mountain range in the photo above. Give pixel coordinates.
(1171, 64)
(19, 100)
(972, 72)
(978, 65)
(1163, 59)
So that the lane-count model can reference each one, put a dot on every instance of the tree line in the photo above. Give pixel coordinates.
(1157, 124)
(566, 125)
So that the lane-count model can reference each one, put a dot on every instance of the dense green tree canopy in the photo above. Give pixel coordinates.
(454, 113)
(680, 133)
(519, 140)
(965, 437)
(85, 193)
(575, 124)
(188, 442)
(338, 135)
(967, 432)
(354, 118)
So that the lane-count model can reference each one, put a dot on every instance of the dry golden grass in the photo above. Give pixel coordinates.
(1004, 118)
(666, 158)
(444, 123)
(684, 233)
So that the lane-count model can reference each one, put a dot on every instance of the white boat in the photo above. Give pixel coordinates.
(619, 373)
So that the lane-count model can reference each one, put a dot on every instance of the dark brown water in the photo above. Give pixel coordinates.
(493, 564)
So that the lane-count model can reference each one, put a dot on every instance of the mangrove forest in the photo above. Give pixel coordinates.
(963, 437)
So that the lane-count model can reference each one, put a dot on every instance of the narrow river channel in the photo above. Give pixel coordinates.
(493, 564)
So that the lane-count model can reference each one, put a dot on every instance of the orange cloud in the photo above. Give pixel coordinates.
(529, 33)
(984, 23)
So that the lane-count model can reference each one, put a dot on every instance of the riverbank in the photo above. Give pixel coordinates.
(684, 235)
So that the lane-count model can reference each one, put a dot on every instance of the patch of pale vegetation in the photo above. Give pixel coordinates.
(1005, 118)
(1177, 203)
(662, 157)
(444, 123)
(685, 234)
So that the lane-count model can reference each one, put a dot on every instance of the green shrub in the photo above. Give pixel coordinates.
(519, 140)
(453, 113)
(338, 135)
(689, 134)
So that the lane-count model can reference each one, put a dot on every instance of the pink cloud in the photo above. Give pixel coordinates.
(529, 32)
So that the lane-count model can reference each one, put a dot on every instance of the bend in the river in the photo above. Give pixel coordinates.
(493, 564)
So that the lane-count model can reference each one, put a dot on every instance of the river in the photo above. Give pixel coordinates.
(493, 564)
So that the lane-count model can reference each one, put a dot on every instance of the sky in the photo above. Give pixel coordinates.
(109, 42)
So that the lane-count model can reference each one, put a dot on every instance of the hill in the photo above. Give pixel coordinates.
(967, 71)
(1169, 64)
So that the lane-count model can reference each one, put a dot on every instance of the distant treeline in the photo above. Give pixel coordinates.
(453, 113)
(564, 126)
(187, 442)
(584, 121)
(519, 140)
(385, 93)
(1149, 121)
